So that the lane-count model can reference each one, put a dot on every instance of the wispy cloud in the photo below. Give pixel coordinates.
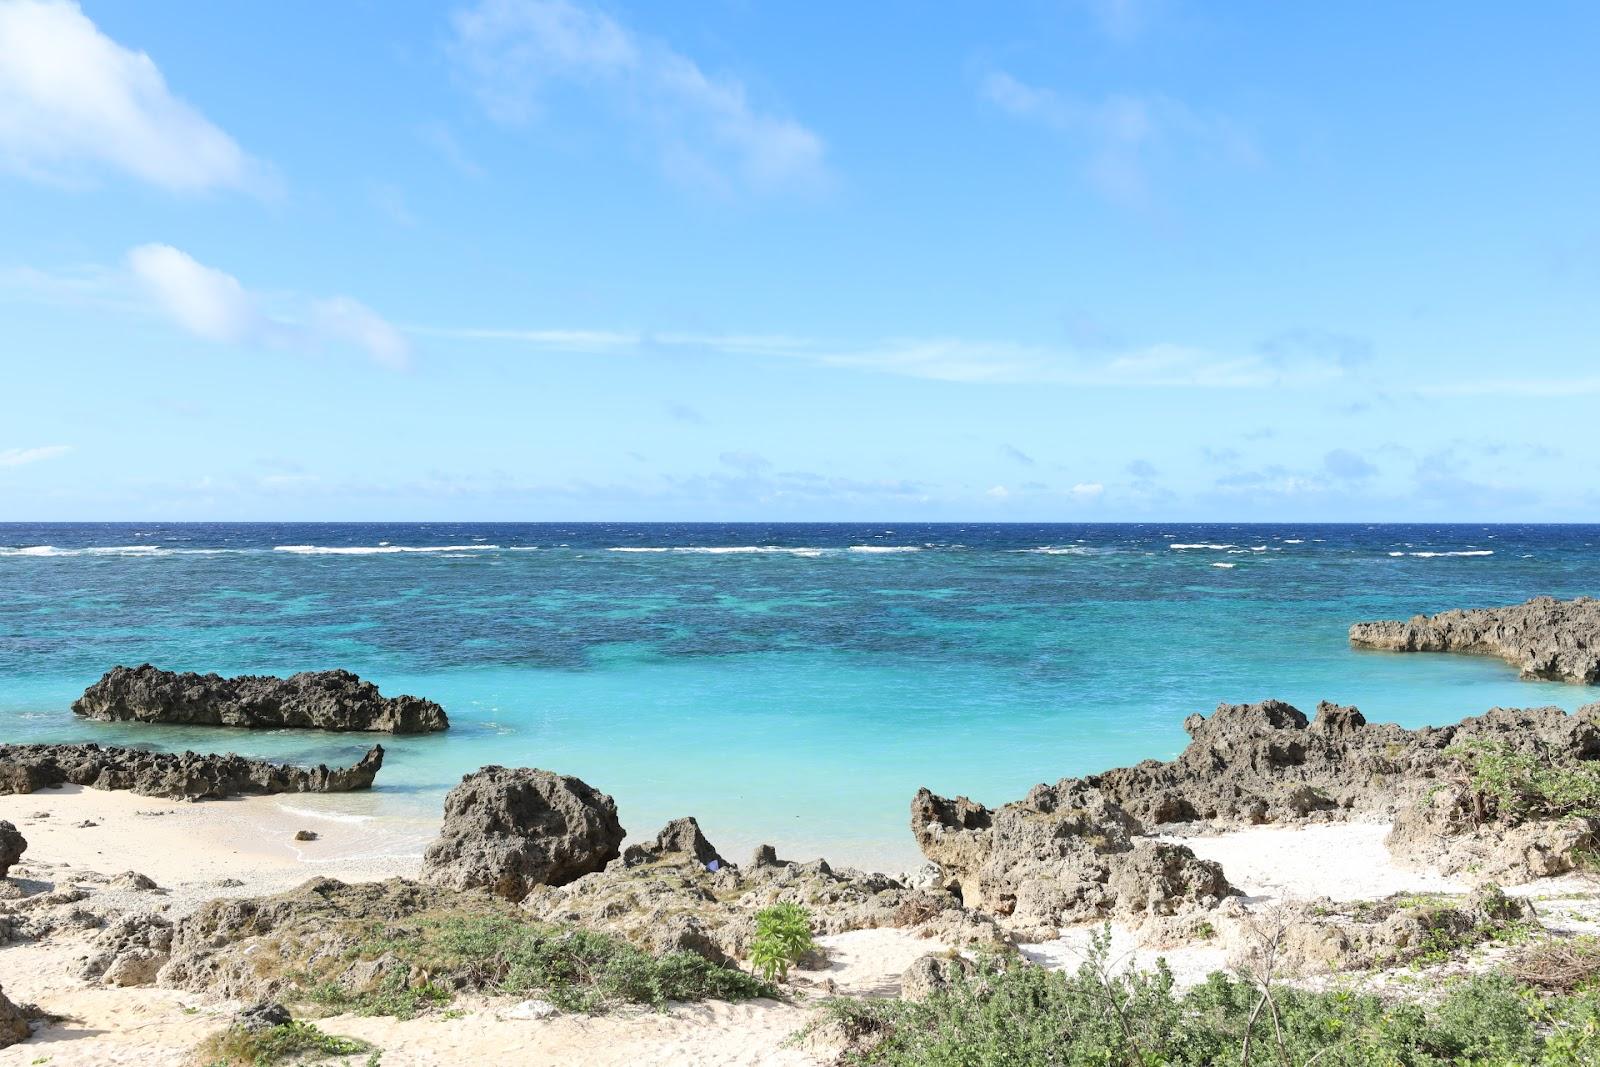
(945, 359)
(73, 101)
(1582, 385)
(1122, 135)
(703, 128)
(213, 305)
(21, 457)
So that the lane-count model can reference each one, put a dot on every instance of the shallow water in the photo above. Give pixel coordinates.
(784, 683)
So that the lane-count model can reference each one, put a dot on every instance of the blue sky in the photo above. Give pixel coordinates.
(524, 259)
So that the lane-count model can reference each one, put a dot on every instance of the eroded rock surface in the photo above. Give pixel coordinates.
(1065, 853)
(1077, 849)
(13, 1022)
(509, 829)
(1544, 638)
(668, 898)
(12, 845)
(179, 776)
(316, 700)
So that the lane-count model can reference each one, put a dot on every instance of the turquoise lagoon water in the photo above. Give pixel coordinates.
(784, 683)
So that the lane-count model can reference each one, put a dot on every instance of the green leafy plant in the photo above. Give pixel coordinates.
(238, 1047)
(783, 937)
(573, 968)
(1011, 1014)
(1510, 785)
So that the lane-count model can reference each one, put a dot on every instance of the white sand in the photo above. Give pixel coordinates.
(1341, 861)
(189, 848)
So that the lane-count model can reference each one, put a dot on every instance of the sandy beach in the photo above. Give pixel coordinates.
(199, 851)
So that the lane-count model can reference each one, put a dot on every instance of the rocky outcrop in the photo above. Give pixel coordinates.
(1266, 763)
(1545, 638)
(13, 1022)
(932, 974)
(265, 948)
(12, 846)
(179, 776)
(1078, 849)
(509, 829)
(1443, 832)
(130, 950)
(679, 835)
(315, 700)
(672, 899)
(1324, 936)
(1064, 854)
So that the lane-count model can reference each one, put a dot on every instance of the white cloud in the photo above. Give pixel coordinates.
(1088, 490)
(704, 128)
(213, 305)
(998, 492)
(203, 300)
(73, 100)
(1122, 134)
(18, 457)
(353, 322)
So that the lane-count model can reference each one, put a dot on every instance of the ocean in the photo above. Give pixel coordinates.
(787, 683)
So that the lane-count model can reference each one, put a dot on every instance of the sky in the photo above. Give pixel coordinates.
(1075, 260)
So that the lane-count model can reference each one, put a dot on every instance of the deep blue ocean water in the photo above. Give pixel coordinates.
(785, 683)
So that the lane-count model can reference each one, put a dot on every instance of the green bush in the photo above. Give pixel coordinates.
(237, 1047)
(783, 937)
(1514, 786)
(1019, 1015)
(573, 968)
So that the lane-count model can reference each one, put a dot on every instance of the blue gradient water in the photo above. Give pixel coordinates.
(785, 683)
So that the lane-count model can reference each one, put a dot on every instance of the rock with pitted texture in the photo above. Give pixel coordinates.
(316, 700)
(669, 898)
(1064, 854)
(179, 776)
(679, 835)
(13, 1022)
(12, 845)
(1079, 849)
(508, 829)
(1556, 640)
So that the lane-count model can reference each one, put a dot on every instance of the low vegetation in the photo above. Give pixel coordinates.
(574, 969)
(783, 938)
(1021, 1016)
(1514, 786)
(293, 1042)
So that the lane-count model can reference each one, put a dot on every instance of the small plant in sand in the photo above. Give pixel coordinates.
(288, 1042)
(783, 937)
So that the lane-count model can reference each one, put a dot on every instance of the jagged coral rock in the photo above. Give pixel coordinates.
(318, 700)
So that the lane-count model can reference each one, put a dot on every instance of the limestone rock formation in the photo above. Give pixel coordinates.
(1544, 638)
(13, 1022)
(1266, 763)
(1063, 854)
(180, 776)
(259, 948)
(673, 901)
(12, 845)
(508, 829)
(679, 835)
(932, 974)
(317, 700)
(130, 950)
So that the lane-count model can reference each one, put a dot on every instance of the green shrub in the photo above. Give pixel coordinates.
(1514, 786)
(573, 968)
(237, 1047)
(783, 937)
(1019, 1015)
